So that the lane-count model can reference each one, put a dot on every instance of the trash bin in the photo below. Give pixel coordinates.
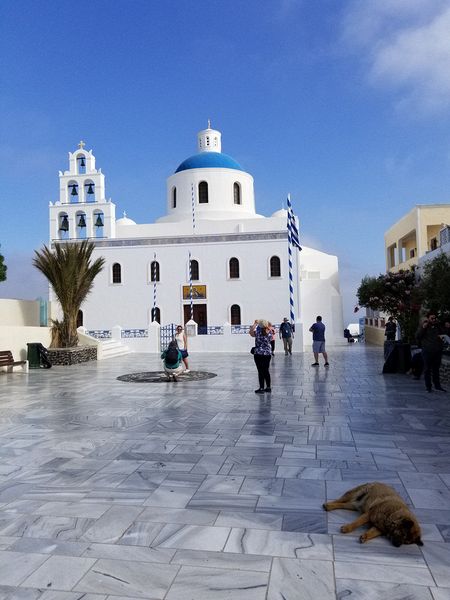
(33, 355)
(37, 356)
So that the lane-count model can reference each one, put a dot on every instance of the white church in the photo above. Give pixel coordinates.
(210, 257)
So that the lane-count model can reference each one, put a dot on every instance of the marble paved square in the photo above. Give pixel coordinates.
(203, 490)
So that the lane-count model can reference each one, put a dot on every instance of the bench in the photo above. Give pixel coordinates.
(7, 360)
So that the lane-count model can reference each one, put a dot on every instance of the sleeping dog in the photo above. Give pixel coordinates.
(383, 509)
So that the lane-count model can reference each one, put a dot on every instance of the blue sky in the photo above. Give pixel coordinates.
(346, 105)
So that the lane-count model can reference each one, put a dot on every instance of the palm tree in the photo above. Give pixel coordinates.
(71, 274)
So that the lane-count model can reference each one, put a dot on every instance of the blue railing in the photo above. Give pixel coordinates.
(100, 334)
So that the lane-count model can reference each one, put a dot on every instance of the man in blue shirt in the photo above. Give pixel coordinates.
(318, 331)
(286, 334)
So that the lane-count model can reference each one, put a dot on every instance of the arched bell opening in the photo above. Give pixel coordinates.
(63, 226)
(80, 220)
(72, 190)
(99, 223)
(81, 164)
(89, 191)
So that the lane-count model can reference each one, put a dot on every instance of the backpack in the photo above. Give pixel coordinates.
(172, 355)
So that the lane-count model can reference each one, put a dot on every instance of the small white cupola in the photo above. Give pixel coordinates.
(209, 140)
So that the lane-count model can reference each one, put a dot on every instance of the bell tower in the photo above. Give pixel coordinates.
(209, 140)
(82, 211)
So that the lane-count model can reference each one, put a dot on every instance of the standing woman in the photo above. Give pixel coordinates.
(181, 340)
(263, 353)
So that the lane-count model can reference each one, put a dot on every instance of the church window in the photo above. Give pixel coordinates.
(174, 197)
(207, 140)
(154, 271)
(234, 268)
(156, 315)
(237, 193)
(215, 142)
(203, 192)
(275, 267)
(235, 314)
(81, 164)
(89, 191)
(116, 273)
(194, 270)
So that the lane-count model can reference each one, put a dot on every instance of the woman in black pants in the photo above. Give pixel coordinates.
(263, 353)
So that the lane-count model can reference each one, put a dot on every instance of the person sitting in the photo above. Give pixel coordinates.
(348, 335)
(172, 358)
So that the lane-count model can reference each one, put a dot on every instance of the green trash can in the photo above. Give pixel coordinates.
(33, 355)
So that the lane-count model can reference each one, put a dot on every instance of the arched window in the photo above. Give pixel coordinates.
(72, 188)
(80, 319)
(99, 222)
(235, 314)
(195, 270)
(156, 315)
(154, 271)
(234, 268)
(89, 191)
(63, 228)
(203, 192)
(174, 197)
(116, 273)
(275, 267)
(237, 193)
(81, 164)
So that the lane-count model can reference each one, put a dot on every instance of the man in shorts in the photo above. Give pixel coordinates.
(318, 331)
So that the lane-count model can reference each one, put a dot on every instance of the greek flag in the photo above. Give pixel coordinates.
(292, 225)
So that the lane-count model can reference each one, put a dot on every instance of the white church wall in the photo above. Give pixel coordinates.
(16, 338)
(19, 312)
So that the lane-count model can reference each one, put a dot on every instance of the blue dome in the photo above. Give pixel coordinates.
(209, 160)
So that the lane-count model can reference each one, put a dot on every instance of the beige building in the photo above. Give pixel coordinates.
(414, 235)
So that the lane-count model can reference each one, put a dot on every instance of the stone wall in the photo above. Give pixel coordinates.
(72, 356)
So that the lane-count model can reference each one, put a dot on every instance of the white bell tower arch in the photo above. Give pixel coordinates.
(82, 211)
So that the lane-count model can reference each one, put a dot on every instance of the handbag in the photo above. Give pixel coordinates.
(252, 350)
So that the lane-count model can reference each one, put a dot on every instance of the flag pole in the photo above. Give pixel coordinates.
(291, 278)
(154, 288)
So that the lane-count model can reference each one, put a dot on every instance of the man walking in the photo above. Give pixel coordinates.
(286, 334)
(318, 331)
(429, 338)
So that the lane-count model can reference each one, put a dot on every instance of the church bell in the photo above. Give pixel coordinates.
(99, 221)
(90, 190)
(82, 162)
(74, 191)
(81, 221)
(64, 224)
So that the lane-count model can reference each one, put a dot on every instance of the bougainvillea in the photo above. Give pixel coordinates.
(396, 294)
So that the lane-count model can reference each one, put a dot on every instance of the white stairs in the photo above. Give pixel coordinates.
(111, 348)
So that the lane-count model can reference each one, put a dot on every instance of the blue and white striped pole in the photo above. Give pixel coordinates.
(154, 288)
(190, 286)
(291, 279)
(193, 207)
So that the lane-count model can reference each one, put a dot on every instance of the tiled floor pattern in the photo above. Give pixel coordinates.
(205, 491)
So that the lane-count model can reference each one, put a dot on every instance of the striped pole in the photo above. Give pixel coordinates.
(291, 278)
(190, 286)
(193, 207)
(154, 287)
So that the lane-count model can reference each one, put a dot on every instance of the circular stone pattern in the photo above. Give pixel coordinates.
(160, 377)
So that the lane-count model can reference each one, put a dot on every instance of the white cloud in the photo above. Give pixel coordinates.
(406, 46)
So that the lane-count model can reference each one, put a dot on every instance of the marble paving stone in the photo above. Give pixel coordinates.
(437, 556)
(306, 521)
(140, 534)
(292, 579)
(179, 515)
(111, 526)
(8, 592)
(280, 543)
(133, 553)
(210, 501)
(171, 496)
(383, 572)
(249, 519)
(191, 537)
(377, 590)
(440, 593)
(201, 583)
(221, 484)
(53, 546)
(430, 498)
(222, 560)
(128, 578)
(55, 595)
(71, 509)
(380, 550)
(16, 566)
(59, 572)
(262, 486)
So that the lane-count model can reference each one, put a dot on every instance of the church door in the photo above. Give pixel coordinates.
(200, 317)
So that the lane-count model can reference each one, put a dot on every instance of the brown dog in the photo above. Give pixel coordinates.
(384, 509)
